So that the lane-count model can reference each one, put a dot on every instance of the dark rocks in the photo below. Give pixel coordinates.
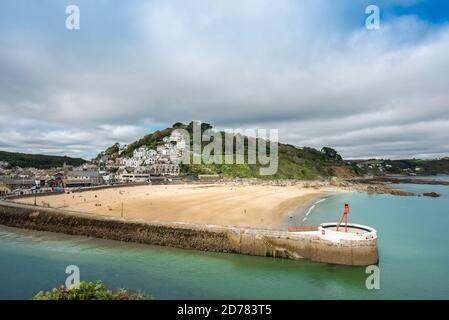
(402, 181)
(402, 193)
(431, 194)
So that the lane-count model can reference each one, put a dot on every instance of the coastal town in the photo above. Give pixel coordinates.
(123, 164)
(224, 159)
(144, 166)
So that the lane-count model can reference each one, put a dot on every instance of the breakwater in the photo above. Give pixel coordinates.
(257, 242)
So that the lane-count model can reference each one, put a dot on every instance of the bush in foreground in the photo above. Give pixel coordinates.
(89, 291)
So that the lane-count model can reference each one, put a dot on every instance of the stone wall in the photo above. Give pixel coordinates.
(259, 242)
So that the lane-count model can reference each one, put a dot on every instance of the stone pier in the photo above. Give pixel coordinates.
(256, 242)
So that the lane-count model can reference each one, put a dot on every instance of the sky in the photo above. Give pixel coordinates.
(309, 68)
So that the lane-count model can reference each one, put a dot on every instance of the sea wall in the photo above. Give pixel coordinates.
(258, 242)
(75, 190)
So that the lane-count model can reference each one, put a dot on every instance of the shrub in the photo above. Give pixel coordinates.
(89, 291)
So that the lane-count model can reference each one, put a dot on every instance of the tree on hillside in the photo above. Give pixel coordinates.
(113, 149)
(178, 125)
(331, 154)
(204, 127)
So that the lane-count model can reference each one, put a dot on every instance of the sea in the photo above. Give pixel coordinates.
(413, 243)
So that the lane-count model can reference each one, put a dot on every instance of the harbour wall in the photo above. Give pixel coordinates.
(256, 242)
(75, 190)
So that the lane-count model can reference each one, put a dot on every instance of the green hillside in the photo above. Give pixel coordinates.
(38, 161)
(294, 162)
(151, 140)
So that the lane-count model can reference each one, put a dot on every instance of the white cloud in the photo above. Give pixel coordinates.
(291, 65)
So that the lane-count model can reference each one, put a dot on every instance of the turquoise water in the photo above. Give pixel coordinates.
(414, 259)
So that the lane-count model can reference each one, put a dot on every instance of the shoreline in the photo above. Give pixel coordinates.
(273, 205)
(299, 215)
(241, 203)
(254, 206)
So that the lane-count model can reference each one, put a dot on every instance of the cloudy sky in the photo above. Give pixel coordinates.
(307, 67)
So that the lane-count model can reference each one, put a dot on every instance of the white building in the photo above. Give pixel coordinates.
(144, 153)
(134, 177)
(165, 169)
(132, 162)
(122, 148)
(162, 161)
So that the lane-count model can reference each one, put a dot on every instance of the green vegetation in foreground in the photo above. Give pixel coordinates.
(38, 161)
(89, 291)
(294, 162)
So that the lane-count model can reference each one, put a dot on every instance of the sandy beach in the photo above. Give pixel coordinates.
(253, 206)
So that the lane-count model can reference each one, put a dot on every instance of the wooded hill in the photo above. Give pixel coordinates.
(38, 161)
(294, 162)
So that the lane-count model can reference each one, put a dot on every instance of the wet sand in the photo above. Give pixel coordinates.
(299, 215)
(246, 206)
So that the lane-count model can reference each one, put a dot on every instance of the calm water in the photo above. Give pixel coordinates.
(413, 241)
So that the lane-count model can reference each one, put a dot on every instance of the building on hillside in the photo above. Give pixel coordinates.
(81, 178)
(151, 161)
(162, 150)
(122, 148)
(4, 164)
(134, 177)
(162, 161)
(17, 182)
(144, 153)
(132, 162)
(165, 169)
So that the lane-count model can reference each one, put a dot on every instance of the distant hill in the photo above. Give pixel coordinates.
(38, 161)
(420, 167)
(424, 167)
(294, 162)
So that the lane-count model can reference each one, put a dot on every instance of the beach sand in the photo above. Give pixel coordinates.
(246, 206)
